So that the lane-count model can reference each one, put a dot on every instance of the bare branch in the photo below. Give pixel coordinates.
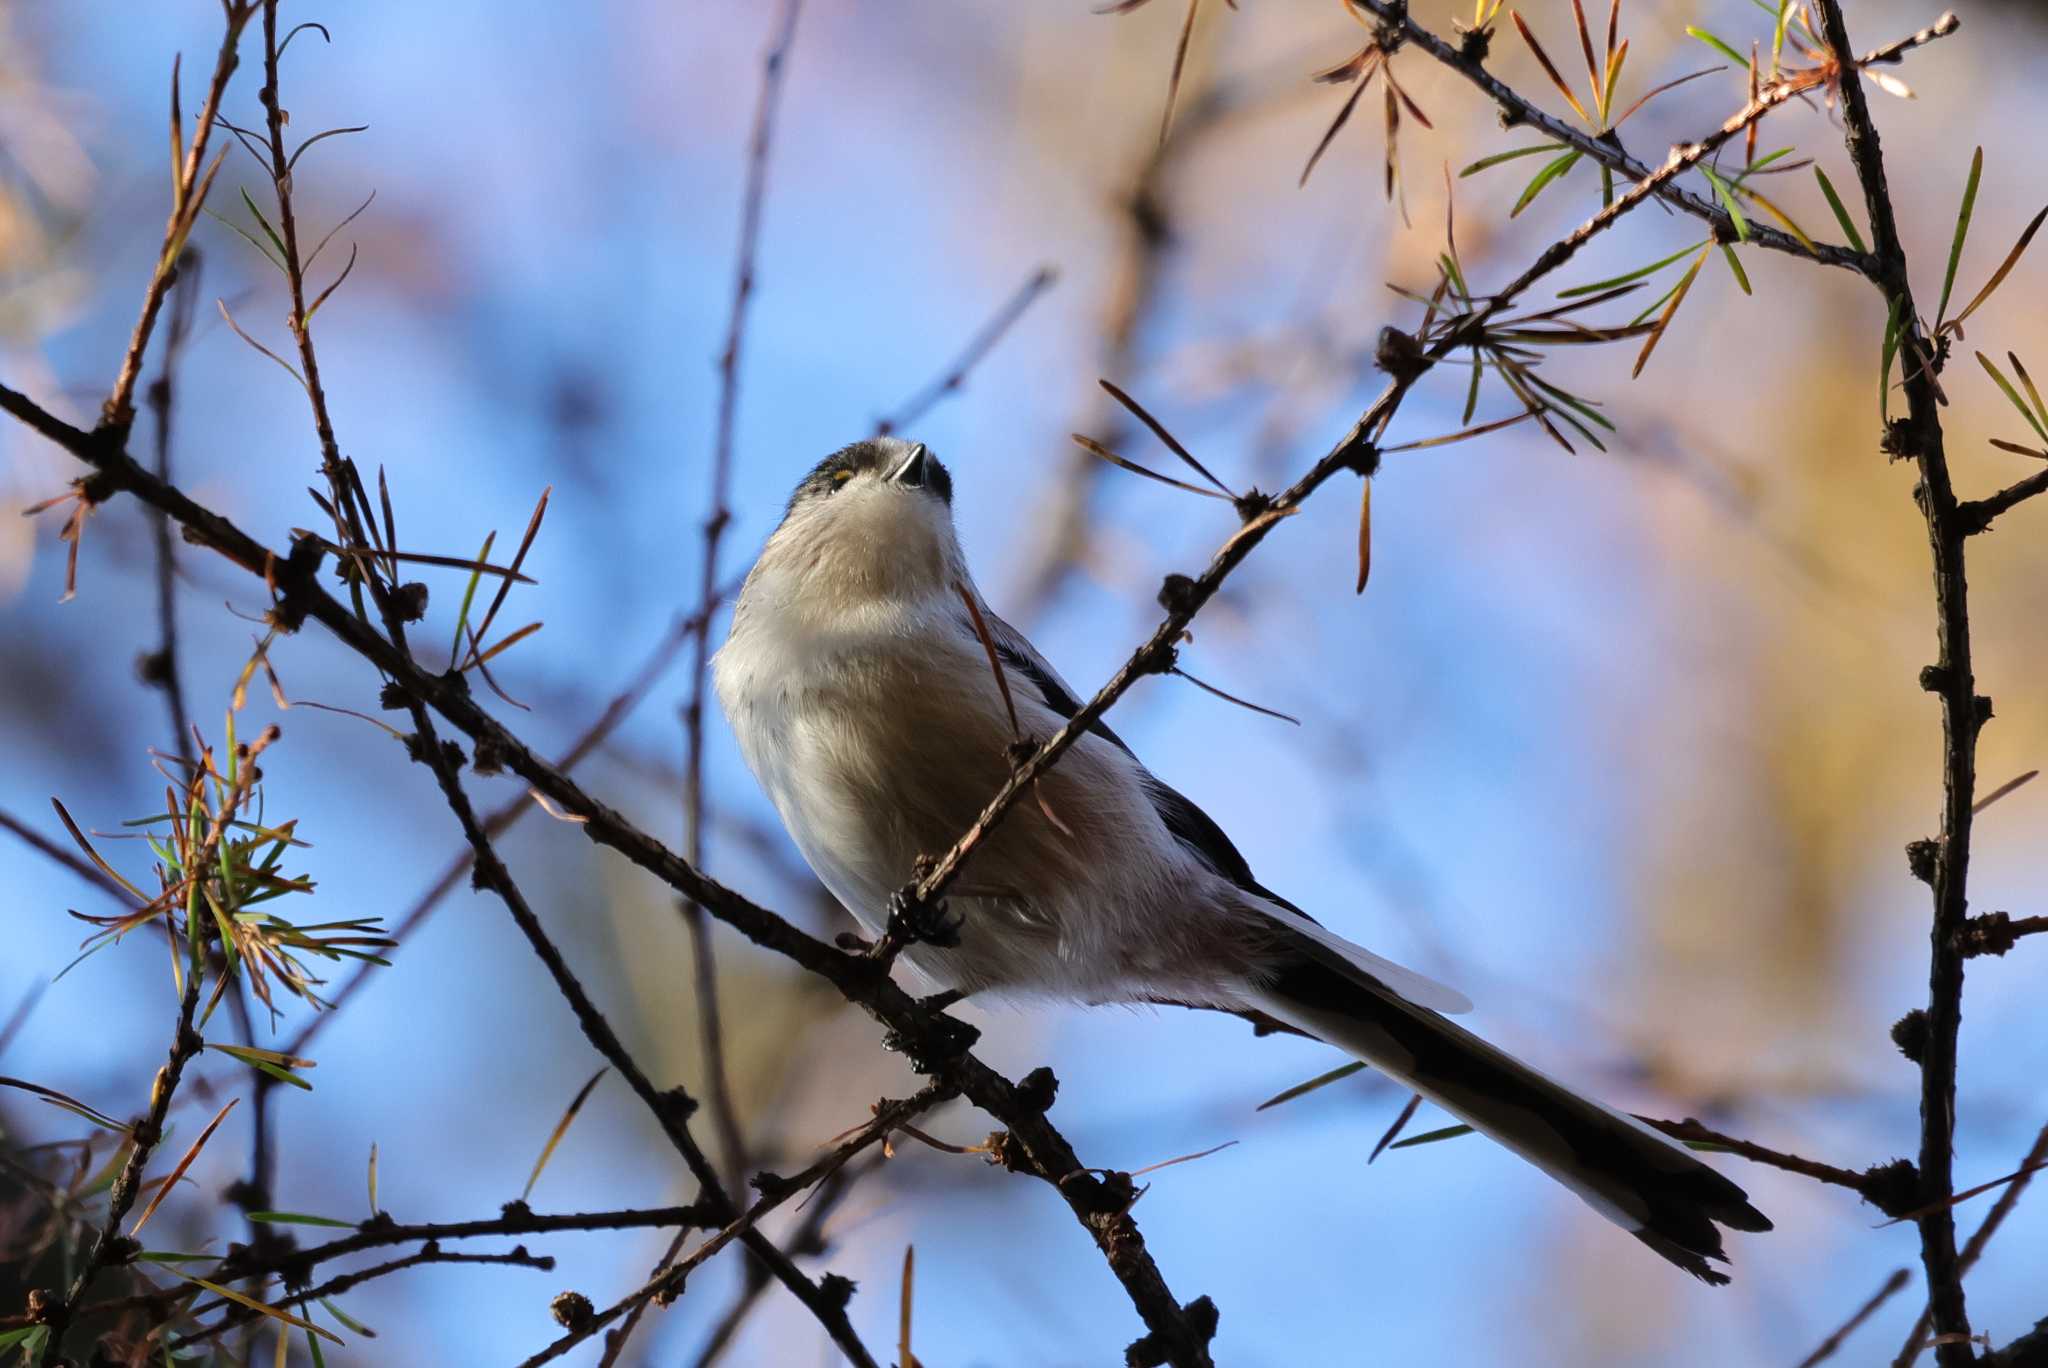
(710, 1029)
(188, 197)
(1975, 515)
(1919, 437)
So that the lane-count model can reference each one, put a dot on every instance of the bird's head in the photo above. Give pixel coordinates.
(873, 520)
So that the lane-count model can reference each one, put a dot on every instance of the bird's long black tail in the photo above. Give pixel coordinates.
(1649, 1185)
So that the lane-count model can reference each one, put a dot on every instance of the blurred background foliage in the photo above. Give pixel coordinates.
(1627, 745)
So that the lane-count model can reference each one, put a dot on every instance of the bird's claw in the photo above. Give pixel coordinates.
(913, 921)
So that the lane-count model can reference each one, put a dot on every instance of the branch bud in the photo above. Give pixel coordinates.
(1909, 1033)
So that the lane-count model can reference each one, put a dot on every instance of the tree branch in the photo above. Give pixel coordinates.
(1881, 1186)
(671, 1109)
(2008, 1198)
(937, 1044)
(978, 346)
(1975, 515)
(1357, 451)
(334, 1287)
(296, 1267)
(1918, 436)
(710, 1030)
(110, 1247)
(934, 1041)
(192, 180)
(1609, 153)
(667, 1282)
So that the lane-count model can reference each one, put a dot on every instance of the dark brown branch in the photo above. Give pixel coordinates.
(932, 1039)
(334, 1287)
(807, 1238)
(1918, 436)
(710, 1028)
(1608, 153)
(193, 181)
(502, 818)
(2008, 1198)
(1994, 933)
(667, 1282)
(296, 1267)
(982, 343)
(1356, 451)
(1975, 515)
(160, 667)
(1879, 1186)
(1177, 1334)
(670, 1109)
(109, 1246)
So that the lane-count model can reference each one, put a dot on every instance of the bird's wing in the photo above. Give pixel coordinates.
(1198, 831)
(1022, 660)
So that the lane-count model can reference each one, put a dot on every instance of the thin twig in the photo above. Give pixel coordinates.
(1689, 1129)
(615, 1342)
(160, 667)
(669, 1280)
(501, 819)
(1607, 151)
(1179, 1333)
(185, 1043)
(382, 1231)
(672, 1108)
(334, 1287)
(807, 1238)
(1919, 436)
(979, 346)
(118, 413)
(710, 1029)
(930, 1036)
(1995, 933)
(295, 275)
(1976, 515)
(1973, 1249)
(1356, 451)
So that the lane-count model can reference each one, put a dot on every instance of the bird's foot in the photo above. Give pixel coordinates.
(913, 921)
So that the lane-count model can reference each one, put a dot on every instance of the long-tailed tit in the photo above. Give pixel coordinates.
(859, 689)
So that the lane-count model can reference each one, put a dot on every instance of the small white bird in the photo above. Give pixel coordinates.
(860, 691)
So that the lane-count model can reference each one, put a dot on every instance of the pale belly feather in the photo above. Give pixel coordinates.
(875, 754)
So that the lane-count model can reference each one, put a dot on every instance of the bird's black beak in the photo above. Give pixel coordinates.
(910, 474)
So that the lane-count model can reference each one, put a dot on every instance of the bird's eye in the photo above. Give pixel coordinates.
(839, 479)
